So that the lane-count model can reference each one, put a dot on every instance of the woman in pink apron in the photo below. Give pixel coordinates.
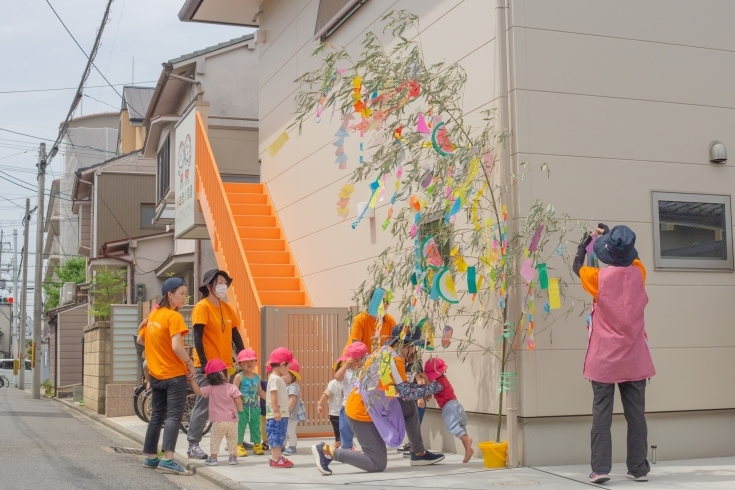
(617, 352)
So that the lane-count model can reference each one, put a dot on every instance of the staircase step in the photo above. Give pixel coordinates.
(241, 187)
(256, 245)
(246, 198)
(248, 232)
(282, 298)
(255, 221)
(277, 283)
(272, 270)
(268, 257)
(251, 209)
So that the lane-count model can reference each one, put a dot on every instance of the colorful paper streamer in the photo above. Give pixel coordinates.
(554, 297)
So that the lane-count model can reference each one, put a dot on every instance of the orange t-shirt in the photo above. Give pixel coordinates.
(163, 324)
(218, 323)
(590, 277)
(355, 408)
(364, 326)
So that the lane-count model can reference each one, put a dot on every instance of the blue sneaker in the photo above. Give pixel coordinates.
(426, 459)
(289, 451)
(172, 467)
(210, 461)
(599, 477)
(195, 452)
(151, 463)
(322, 462)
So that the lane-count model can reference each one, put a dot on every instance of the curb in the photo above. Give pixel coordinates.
(195, 468)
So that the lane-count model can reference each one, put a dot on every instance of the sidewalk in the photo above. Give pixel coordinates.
(253, 472)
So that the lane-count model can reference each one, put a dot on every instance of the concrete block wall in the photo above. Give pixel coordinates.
(119, 400)
(96, 365)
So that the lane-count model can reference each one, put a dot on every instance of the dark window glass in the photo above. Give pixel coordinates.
(164, 169)
(692, 230)
(147, 213)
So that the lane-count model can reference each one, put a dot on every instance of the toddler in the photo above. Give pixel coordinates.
(455, 418)
(353, 358)
(332, 397)
(276, 406)
(225, 401)
(296, 410)
(249, 385)
(264, 387)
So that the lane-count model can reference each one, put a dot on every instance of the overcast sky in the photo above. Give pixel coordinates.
(39, 54)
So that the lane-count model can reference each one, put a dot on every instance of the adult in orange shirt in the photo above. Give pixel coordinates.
(215, 324)
(169, 365)
(364, 327)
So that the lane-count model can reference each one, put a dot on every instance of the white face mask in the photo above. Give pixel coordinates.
(220, 290)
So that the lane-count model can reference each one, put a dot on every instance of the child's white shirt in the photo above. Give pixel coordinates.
(348, 382)
(276, 383)
(336, 393)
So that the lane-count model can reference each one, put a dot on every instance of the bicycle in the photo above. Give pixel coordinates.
(4, 383)
(143, 406)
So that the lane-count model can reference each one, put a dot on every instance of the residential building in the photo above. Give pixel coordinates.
(627, 104)
(135, 102)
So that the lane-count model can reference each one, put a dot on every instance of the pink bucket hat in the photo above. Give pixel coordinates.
(356, 351)
(295, 369)
(247, 355)
(280, 355)
(434, 368)
(214, 366)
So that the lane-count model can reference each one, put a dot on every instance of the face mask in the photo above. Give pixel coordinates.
(220, 290)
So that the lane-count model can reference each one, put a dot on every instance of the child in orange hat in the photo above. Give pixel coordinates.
(455, 418)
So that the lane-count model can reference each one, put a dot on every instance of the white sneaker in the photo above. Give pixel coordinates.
(637, 478)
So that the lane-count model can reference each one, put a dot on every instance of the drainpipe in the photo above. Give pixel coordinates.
(511, 201)
(129, 263)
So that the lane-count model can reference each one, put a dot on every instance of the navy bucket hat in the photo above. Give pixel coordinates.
(617, 247)
(412, 337)
(171, 284)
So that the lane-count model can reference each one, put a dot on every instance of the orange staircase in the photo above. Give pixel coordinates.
(248, 243)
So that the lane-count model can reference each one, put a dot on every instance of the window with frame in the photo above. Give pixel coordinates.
(147, 214)
(332, 14)
(164, 169)
(692, 231)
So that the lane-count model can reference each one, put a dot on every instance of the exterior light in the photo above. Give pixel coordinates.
(717, 152)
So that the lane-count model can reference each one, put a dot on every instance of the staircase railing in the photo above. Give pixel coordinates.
(226, 239)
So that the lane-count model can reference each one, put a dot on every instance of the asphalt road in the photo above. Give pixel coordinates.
(45, 445)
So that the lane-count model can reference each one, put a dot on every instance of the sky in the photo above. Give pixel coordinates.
(40, 54)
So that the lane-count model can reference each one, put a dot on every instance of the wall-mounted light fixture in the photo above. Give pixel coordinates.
(717, 152)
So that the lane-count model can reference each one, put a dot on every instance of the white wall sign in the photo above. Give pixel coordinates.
(184, 153)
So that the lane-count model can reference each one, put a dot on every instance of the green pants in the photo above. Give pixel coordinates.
(249, 416)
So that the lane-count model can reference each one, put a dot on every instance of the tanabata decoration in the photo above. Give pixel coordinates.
(535, 239)
(458, 259)
(375, 302)
(543, 276)
(447, 336)
(277, 144)
(341, 134)
(445, 286)
(431, 254)
(471, 280)
(344, 200)
(376, 386)
(440, 140)
(427, 332)
(488, 160)
(375, 188)
(421, 126)
(527, 270)
(554, 297)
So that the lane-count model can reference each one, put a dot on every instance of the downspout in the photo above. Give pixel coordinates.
(130, 263)
(511, 201)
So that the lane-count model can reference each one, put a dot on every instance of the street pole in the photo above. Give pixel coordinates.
(24, 301)
(16, 297)
(37, 289)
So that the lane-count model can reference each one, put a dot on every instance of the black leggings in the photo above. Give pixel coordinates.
(334, 419)
(168, 399)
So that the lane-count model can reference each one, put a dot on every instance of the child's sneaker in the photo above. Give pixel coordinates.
(637, 478)
(258, 449)
(172, 467)
(248, 445)
(322, 461)
(599, 477)
(233, 460)
(426, 459)
(210, 461)
(281, 463)
(151, 463)
(289, 451)
(404, 448)
(195, 452)
(265, 446)
(241, 451)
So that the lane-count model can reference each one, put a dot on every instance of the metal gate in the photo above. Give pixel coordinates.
(316, 336)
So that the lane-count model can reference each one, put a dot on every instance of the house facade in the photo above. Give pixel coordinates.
(626, 109)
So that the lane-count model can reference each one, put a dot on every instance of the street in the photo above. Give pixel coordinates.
(45, 445)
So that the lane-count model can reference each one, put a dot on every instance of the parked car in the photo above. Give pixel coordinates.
(6, 369)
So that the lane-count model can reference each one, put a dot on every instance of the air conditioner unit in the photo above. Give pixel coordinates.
(67, 293)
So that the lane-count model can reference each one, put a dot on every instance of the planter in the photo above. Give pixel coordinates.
(494, 454)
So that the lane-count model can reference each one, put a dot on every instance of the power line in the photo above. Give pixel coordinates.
(100, 101)
(66, 88)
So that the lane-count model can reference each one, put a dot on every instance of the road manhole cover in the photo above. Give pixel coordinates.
(516, 483)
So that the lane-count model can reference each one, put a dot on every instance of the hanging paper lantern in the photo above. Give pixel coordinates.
(445, 286)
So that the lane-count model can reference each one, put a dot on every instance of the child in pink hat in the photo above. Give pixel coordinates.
(276, 406)
(248, 382)
(455, 418)
(352, 360)
(225, 401)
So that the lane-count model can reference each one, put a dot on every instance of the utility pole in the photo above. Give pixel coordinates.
(23, 301)
(14, 323)
(37, 289)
